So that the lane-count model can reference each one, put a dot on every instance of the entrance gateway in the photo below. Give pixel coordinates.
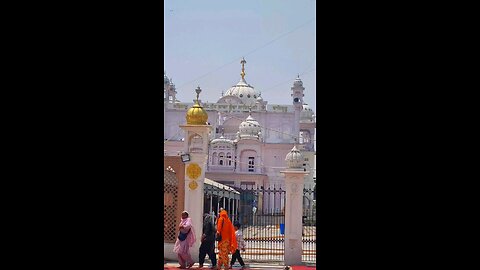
(261, 211)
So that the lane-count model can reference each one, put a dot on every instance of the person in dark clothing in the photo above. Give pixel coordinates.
(208, 241)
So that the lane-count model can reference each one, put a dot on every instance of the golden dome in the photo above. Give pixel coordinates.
(196, 115)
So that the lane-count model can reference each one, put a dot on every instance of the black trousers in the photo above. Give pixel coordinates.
(207, 248)
(236, 256)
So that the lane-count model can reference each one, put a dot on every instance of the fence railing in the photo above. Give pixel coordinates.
(260, 212)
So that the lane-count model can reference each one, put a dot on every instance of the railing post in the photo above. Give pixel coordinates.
(294, 179)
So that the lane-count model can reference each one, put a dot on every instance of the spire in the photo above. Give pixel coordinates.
(198, 91)
(243, 62)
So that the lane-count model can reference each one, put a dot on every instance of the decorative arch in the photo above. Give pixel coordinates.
(173, 195)
(196, 143)
(214, 158)
(229, 159)
(249, 161)
(305, 137)
(221, 159)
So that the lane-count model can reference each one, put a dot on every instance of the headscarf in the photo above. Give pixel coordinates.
(207, 218)
(188, 225)
(227, 231)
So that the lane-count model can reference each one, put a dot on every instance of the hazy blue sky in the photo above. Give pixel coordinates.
(210, 37)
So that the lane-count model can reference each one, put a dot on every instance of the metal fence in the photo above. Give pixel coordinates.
(260, 212)
(309, 221)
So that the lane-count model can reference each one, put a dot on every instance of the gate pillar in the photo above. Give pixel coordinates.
(294, 183)
(196, 146)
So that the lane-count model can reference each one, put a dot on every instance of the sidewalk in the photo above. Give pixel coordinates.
(252, 266)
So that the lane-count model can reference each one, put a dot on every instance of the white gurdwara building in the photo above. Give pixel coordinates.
(250, 138)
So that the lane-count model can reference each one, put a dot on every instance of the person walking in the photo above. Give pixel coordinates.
(241, 246)
(185, 240)
(228, 242)
(208, 242)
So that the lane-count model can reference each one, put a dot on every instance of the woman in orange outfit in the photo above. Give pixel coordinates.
(228, 244)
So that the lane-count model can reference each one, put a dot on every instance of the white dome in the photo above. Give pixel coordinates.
(221, 140)
(294, 158)
(245, 92)
(307, 113)
(249, 128)
(298, 81)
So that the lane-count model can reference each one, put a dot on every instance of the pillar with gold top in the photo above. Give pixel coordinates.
(196, 146)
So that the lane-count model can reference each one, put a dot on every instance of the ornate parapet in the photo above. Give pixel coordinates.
(280, 108)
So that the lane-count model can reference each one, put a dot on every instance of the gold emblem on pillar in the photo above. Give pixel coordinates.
(193, 185)
(193, 171)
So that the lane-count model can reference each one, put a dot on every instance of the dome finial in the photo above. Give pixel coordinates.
(243, 62)
(196, 115)
(198, 90)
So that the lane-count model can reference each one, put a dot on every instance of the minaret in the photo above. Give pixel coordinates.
(196, 144)
(166, 81)
(297, 91)
(297, 95)
(171, 93)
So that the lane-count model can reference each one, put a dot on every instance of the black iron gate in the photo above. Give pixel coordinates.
(262, 217)
(261, 212)
(309, 223)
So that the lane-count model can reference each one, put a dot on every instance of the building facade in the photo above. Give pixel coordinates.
(250, 138)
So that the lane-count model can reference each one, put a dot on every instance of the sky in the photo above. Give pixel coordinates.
(204, 42)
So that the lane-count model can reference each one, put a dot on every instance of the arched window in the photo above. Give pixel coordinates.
(251, 164)
(248, 160)
(214, 158)
(229, 159)
(304, 136)
(221, 158)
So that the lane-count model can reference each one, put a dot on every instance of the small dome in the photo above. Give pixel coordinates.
(221, 140)
(306, 113)
(259, 99)
(196, 115)
(298, 81)
(249, 128)
(294, 158)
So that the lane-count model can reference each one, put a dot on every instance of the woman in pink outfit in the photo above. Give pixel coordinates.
(182, 247)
